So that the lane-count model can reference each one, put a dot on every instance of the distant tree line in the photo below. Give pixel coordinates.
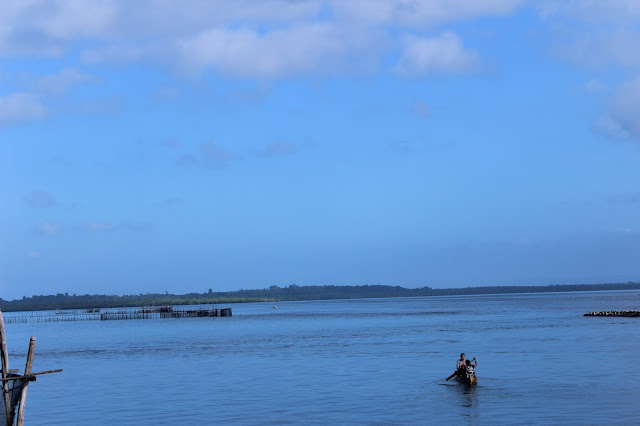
(276, 293)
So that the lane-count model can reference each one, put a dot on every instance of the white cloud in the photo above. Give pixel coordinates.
(596, 34)
(593, 11)
(215, 156)
(47, 228)
(40, 199)
(186, 160)
(137, 226)
(595, 85)
(603, 36)
(281, 148)
(436, 55)
(171, 143)
(609, 127)
(621, 118)
(601, 47)
(173, 201)
(118, 54)
(17, 107)
(301, 49)
(26, 24)
(245, 38)
(98, 106)
(421, 13)
(625, 108)
(308, 48)
(56, 84)
(34, 254)
(49, 27)
(96, 227)
(30, 104)
(420, 109)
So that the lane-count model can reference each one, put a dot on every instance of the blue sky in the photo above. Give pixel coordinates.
(182, 146)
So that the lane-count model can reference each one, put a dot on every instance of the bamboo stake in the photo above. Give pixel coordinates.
(27, 371)
(4, 354)
(32, 375)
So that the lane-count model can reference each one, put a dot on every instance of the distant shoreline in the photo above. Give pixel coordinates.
(277, 294)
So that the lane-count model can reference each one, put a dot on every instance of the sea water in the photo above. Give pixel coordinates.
(345, 361)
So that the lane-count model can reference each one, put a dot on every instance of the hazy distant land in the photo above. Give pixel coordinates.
(276, 293)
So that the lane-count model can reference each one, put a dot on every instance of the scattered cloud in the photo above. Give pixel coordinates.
(210, 156)
(205, 95)
(18, 107)
(436, 55)
(117, 55)
(312, 48)
(602, 37)
(99, 106)
(280, 148)
(421, 13)
(400, 147)
(609, 127)
(625, 198)
(592, 12)
(40, 199)
(240, 38)
(186, 160)
(45, 28)
(172, 143)
(595, 34)
(51, 28)
(595, 85)
(47, 228)
(137, 226)
(215, 156)
(244, 95)
(166, 93)
(621, 118)
(30, 104)
(420, 109)
(56, 84)
(96, 227)
(173, 201)
(34, 254)
(601, 48)
(625, 107)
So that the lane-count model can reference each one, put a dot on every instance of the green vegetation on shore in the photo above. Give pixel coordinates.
(276, 293)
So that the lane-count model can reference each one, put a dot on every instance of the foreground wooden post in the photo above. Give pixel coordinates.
(27, 371)
(4, 354)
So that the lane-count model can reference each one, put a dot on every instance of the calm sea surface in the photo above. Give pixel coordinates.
(357, 361)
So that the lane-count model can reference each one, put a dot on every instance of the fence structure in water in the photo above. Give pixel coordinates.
(613, 314)
(117, 314)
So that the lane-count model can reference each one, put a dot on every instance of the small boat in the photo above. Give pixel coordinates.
(467, 379)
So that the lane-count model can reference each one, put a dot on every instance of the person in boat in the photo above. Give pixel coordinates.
(470, 369)
(461, 364)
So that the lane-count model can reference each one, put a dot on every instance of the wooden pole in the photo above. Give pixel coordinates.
(4, 354)
(27, 371)
(32, 375)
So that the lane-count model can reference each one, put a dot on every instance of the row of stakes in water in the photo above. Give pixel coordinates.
(613, 314)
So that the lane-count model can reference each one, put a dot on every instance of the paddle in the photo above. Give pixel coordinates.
(454, 373)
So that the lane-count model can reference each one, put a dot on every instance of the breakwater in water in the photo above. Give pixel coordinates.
(152, 312)
(613, 314)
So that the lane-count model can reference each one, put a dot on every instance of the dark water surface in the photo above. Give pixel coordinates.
(357, 361)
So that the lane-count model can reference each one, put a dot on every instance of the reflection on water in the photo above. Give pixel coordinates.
(356, 361)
